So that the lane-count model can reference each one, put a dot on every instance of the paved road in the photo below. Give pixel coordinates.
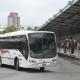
(65, 70)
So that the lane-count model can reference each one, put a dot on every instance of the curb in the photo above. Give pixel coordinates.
(69, 55)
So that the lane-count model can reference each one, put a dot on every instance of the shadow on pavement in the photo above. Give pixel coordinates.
(30, 70)
(8, 67)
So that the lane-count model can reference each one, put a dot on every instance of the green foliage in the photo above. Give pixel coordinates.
(36, 28)
(0, 32)
(32, 28)
(29, 28)
(9, 29)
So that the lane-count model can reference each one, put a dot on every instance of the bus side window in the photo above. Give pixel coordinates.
(24, 45)
(23, 48)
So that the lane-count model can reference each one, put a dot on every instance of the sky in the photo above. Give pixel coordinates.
(31, 12)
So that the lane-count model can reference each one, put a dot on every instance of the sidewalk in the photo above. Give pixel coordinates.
(75, 55)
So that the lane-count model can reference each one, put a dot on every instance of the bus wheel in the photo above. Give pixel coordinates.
(0, 62)
(42, 69)
(16, 64)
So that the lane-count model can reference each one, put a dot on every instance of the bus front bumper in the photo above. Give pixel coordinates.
(38, 65)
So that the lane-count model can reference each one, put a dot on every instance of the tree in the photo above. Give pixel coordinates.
(36, 28)
(9, 29)
(29, 28)
(33, 28)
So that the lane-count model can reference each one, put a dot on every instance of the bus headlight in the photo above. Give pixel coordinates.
(32, 61)
(53, 60)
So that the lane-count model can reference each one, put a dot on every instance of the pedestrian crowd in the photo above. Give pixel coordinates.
(69, 45)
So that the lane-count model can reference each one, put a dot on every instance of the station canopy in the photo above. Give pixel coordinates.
(66, 22)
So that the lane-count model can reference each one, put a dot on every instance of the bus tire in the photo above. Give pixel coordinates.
(16, 64)
(42, 69)
(0, 62)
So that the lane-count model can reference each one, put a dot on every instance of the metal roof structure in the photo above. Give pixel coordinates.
(66, 22)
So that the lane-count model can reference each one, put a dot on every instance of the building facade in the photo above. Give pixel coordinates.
(14, 19)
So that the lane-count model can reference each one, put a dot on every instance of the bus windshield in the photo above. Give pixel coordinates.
(42, 45)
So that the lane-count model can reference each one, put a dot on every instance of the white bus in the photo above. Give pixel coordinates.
(28, 49)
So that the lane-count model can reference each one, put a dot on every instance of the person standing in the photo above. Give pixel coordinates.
(65, 46)
(72, 46)
(78, 48)
(59, 46)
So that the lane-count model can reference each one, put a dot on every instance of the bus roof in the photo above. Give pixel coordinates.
(15, 43)
(22, 32)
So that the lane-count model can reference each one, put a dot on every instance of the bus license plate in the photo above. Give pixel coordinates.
(43, 65)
